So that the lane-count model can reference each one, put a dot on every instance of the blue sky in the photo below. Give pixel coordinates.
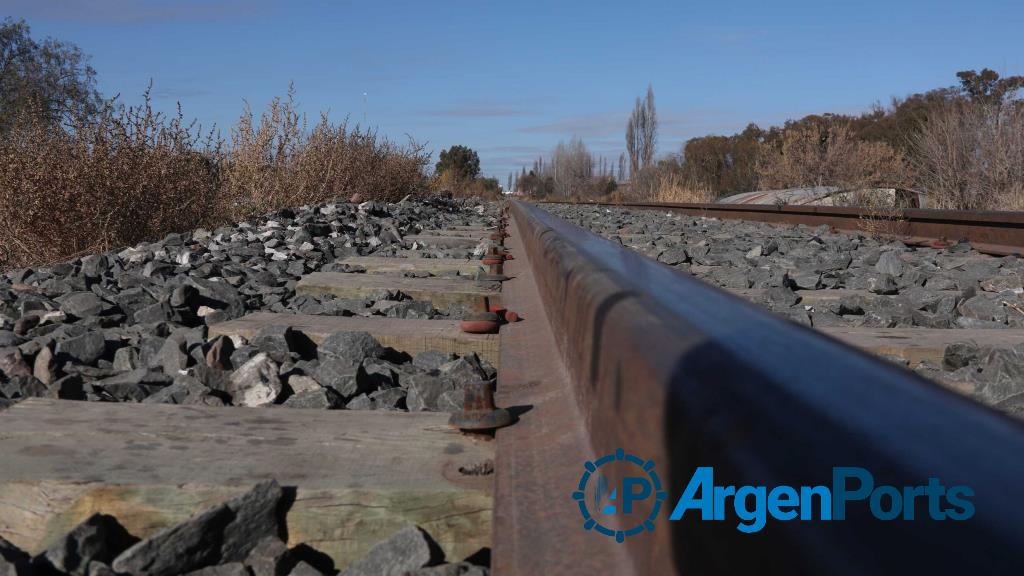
(511, 79)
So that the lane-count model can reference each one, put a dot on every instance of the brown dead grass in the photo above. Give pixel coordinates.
(829, 156)
(118, 179)
(447, 183)
(277, 162)
(970, 156)
(131, 174)
(659, 184)
(674, 188)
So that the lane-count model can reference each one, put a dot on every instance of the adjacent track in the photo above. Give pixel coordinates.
(998, 233)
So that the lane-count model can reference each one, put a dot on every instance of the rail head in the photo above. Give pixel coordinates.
(689, 376)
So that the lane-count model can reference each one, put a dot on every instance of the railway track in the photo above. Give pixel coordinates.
(688, 375)
(613, 355)
(998, 233)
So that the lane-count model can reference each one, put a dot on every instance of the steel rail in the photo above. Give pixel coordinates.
(680, 372)
(998, 233)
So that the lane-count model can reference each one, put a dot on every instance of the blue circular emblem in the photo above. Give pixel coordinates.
(649, 484)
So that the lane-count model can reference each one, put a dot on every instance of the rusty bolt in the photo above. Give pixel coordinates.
(496, 269)
(478, 412)
(492, 259)
(505, 316)
(495, 262)
(493, 256)
(479, 323)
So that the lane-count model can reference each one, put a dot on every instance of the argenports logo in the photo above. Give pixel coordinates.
(635, 499)
(624, 500)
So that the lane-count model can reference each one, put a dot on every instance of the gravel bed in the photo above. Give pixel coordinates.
(900, 285)
(130, 325)
(240, 537)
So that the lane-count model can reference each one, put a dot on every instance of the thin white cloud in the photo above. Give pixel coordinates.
(591, 125)
(514, 149)
(178, 93)
(606, 125)
(131, 11)
(480, 110)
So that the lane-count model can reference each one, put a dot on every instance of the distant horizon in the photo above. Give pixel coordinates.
(512, 81)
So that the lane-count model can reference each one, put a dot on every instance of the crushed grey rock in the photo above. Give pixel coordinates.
(889, 263)
(406, 550)
(188, 546)
(456, 569)
(300, 383)
(13, 560)
(84, 349)
(303, 569)
(81, 304)
(99, 538)
(255, 383)
(280, 342)
(350, 348)
(268, 558)
(224, 534)
(338, 375)
(322, 398)
(432, 359)
(119, 326)
(424, 390)
(229, 569)
(882, 284)
(218, 354)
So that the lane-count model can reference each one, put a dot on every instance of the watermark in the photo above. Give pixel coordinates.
(635, 498)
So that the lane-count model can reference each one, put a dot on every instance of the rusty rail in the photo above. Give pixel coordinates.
(998, 233)
(670, 368)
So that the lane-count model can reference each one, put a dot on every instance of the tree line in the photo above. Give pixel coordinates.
(962, 146)
(573, 171)
(891, 146)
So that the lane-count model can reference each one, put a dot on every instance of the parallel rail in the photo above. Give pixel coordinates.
(998, 233)
(687, 375)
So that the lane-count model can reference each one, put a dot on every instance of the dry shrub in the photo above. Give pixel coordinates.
(829, 156)
(480, 188)
(666, 182)
(278, 163)
(119, 178)
(881, 215)
(617, 196)
(448, 182)
(671, 187)
(131, 174)
(970, 156)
